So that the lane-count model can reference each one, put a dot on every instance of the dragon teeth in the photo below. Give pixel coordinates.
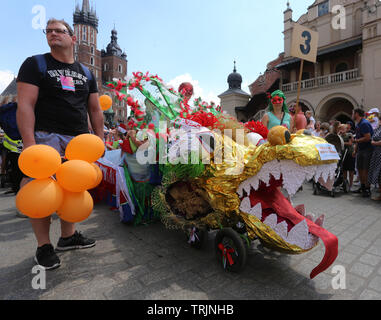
(281, 229)
(298, 235)
(319, 221)
(245, 205)
(257, 211)
(310, 216)
(271, 221)
(301, 209)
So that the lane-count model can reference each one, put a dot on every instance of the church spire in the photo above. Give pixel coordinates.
(85, 6)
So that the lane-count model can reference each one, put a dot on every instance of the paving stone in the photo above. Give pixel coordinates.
(370, 295)
(353, 282)
(356, 250)
(370, 259)
(361, 270)
(124, 289)
(376, 250)
(151, 262)
(361, 243)
(345, 258)
(156, 276)
(375, 284)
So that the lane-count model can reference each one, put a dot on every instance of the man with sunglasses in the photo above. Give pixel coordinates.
(54, 106)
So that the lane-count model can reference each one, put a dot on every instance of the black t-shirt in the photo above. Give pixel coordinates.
(63, 96)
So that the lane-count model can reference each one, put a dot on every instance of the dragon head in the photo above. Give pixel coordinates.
(244, 185)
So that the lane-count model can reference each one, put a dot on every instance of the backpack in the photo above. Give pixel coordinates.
(8, 111)
(8, 120)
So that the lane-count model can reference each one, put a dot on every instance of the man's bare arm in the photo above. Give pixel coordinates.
(27, 95)
(96, 115)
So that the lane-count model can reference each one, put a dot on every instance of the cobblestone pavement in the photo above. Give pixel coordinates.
(150, 262)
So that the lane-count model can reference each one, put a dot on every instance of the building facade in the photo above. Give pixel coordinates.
(347, 74)
(106, 65)
(234, 99)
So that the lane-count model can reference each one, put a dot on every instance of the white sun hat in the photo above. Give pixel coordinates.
(374, 110)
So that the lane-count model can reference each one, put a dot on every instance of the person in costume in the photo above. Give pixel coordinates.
(278, 113)
(373, 117)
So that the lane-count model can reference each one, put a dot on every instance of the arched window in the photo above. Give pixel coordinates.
(84, 33)
(341, 67)
(92, 50)
(120, 68)
(105, 67)
(92, 61)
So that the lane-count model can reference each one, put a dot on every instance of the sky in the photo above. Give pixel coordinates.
(196, 40)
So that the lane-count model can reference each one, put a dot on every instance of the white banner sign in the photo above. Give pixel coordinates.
(327, 152)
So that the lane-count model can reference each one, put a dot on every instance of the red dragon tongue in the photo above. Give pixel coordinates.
(283, 208)
(331, 248)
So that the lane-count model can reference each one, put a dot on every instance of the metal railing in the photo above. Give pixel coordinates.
(330, 79)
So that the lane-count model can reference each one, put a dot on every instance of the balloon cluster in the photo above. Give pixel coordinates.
(67, 194)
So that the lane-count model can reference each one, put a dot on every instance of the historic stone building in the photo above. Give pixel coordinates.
(106, 65)
(234, 99)
(347, 74)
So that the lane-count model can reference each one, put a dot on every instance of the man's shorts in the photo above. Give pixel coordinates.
(54, 140)
(57, 141)
(363, 159)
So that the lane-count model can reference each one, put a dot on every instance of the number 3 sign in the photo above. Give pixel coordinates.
(304, 43)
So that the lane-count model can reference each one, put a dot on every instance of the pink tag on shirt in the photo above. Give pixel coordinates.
(67, 83)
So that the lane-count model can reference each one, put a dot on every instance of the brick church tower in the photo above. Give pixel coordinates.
(106, 65)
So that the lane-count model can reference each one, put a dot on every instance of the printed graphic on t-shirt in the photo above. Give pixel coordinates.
(69, 79)
(67, 83)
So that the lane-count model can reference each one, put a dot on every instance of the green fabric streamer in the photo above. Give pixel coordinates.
(141, 191)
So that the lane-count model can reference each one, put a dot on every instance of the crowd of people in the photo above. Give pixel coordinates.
(360, 140)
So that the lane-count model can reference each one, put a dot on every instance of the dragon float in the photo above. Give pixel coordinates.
(227, 181)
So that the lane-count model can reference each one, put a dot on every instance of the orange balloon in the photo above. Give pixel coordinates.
(76, 206)
(86, 147)
(39, 161)
(105, 101)
(39, 198)
(99, 176)
(76, 175)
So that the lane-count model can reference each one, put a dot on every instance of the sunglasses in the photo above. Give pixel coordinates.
(58, 31)
(277, 100)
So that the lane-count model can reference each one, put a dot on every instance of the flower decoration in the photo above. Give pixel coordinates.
(257, 127)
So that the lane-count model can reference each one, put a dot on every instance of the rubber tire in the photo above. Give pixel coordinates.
(332, 194)
(315, 187)
(239, 247)
(346, 186)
